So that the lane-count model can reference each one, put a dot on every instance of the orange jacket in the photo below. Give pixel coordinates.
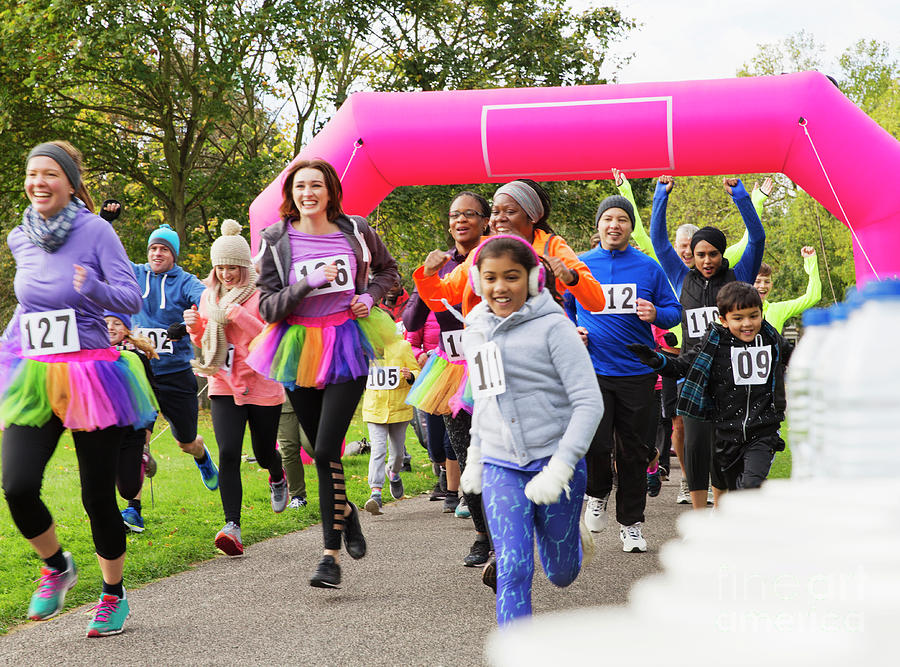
(455, 286)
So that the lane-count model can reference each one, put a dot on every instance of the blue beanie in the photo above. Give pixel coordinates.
(124, 318)
(167, 236)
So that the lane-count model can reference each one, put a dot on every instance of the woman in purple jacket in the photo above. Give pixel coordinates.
(58, 371)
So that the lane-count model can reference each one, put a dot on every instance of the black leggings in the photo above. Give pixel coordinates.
(699, 464)
(229, 423)
(325, 415)
(130, 475)
(458, 428)
(26, 452)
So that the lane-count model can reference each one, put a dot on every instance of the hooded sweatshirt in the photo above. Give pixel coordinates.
(43, 280)
(552, 403)
(165, 298)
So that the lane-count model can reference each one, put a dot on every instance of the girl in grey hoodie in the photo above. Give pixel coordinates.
(537, 405)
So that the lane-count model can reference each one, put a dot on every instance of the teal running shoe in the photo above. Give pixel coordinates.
(50, 596)
(208, 471)
(133, 520)
(109, 616)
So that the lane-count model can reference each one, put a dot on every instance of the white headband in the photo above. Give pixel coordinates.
(525, 197)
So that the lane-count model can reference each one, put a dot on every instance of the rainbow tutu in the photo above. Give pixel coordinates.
(88, 390)
(441, 386)
(317, 351)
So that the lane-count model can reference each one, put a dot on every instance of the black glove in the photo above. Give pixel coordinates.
(670, 339)
(176, 331)
(109, 216)
(645, 354)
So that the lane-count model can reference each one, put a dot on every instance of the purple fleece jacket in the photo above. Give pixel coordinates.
(44, 280)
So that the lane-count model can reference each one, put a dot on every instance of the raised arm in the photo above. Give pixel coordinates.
(781, 311)
(759, 195)
(639, 235)
(432, 288)
(747, 268)
(665, 254)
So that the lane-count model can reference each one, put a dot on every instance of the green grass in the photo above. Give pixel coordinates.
(781, 467)
(180, 524)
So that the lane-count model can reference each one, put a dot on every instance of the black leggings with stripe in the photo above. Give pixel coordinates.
(325, 415)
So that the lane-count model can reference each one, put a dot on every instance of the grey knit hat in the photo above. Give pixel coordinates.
(615, 201)
(230, 249)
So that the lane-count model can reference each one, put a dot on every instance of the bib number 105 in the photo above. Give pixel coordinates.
(49, 332)
(486, 371)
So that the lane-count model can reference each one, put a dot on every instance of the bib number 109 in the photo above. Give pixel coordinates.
(49, 332)
(751, 365)
(486, 371)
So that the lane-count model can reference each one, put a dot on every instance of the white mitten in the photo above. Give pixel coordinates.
(546, 487)
(470, 480)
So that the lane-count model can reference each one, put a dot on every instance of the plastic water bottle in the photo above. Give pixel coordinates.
(800, 391)
(824, 375)
(862, 388)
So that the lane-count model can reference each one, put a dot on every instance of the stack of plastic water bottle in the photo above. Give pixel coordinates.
(804, 571)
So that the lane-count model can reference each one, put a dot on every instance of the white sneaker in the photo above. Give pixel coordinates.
(632, 540)
(595, 517)
(710, 498)
(588, 548)
(684, 495)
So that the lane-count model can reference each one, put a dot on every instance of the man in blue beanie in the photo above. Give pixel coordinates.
(168, 290)
(637, 295)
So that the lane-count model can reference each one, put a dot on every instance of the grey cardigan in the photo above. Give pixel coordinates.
(552, 403)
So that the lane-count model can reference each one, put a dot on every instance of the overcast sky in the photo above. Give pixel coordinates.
(709, 39)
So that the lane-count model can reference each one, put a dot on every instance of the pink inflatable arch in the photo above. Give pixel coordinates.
(797, 124)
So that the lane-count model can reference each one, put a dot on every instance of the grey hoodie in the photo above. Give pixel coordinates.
(552, 403)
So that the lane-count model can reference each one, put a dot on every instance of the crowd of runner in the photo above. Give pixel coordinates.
(541, 380)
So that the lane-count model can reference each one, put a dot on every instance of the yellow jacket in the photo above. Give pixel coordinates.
(388, 406)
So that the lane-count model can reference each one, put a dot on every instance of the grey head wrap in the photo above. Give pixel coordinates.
(525, 196)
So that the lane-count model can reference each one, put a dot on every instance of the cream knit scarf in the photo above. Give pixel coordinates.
(213, 345)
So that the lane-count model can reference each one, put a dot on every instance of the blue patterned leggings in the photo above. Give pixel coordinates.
(514, 520)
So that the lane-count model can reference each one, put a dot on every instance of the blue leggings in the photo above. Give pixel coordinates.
(513, 521)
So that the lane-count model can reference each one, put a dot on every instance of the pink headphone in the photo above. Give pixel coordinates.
(536, 275)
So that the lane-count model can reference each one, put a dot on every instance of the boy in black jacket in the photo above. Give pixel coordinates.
(734, 378)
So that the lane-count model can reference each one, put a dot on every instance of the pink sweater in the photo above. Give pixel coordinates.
(425, 339)
(243, 383)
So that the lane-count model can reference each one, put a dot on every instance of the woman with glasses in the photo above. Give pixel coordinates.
(444, 371)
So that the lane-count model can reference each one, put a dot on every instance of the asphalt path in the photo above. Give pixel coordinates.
(408, 602)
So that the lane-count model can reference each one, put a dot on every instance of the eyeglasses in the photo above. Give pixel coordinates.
(456, 215)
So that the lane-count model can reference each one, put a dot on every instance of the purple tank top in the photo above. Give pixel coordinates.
(310, 251)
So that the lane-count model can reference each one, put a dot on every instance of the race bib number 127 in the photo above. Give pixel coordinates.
(49, 332)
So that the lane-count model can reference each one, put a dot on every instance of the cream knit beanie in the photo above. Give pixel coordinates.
(230, 249)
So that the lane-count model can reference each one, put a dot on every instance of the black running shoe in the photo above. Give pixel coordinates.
(437, 493)
(478, 554)
(489, 574)
(354, 540)
(327, 574)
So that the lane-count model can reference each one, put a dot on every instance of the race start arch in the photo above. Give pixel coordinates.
(798, 124)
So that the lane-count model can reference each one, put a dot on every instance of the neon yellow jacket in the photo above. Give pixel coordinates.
(388, 406)
(779, 312)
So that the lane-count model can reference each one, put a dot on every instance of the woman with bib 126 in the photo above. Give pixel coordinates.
(316, 292)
